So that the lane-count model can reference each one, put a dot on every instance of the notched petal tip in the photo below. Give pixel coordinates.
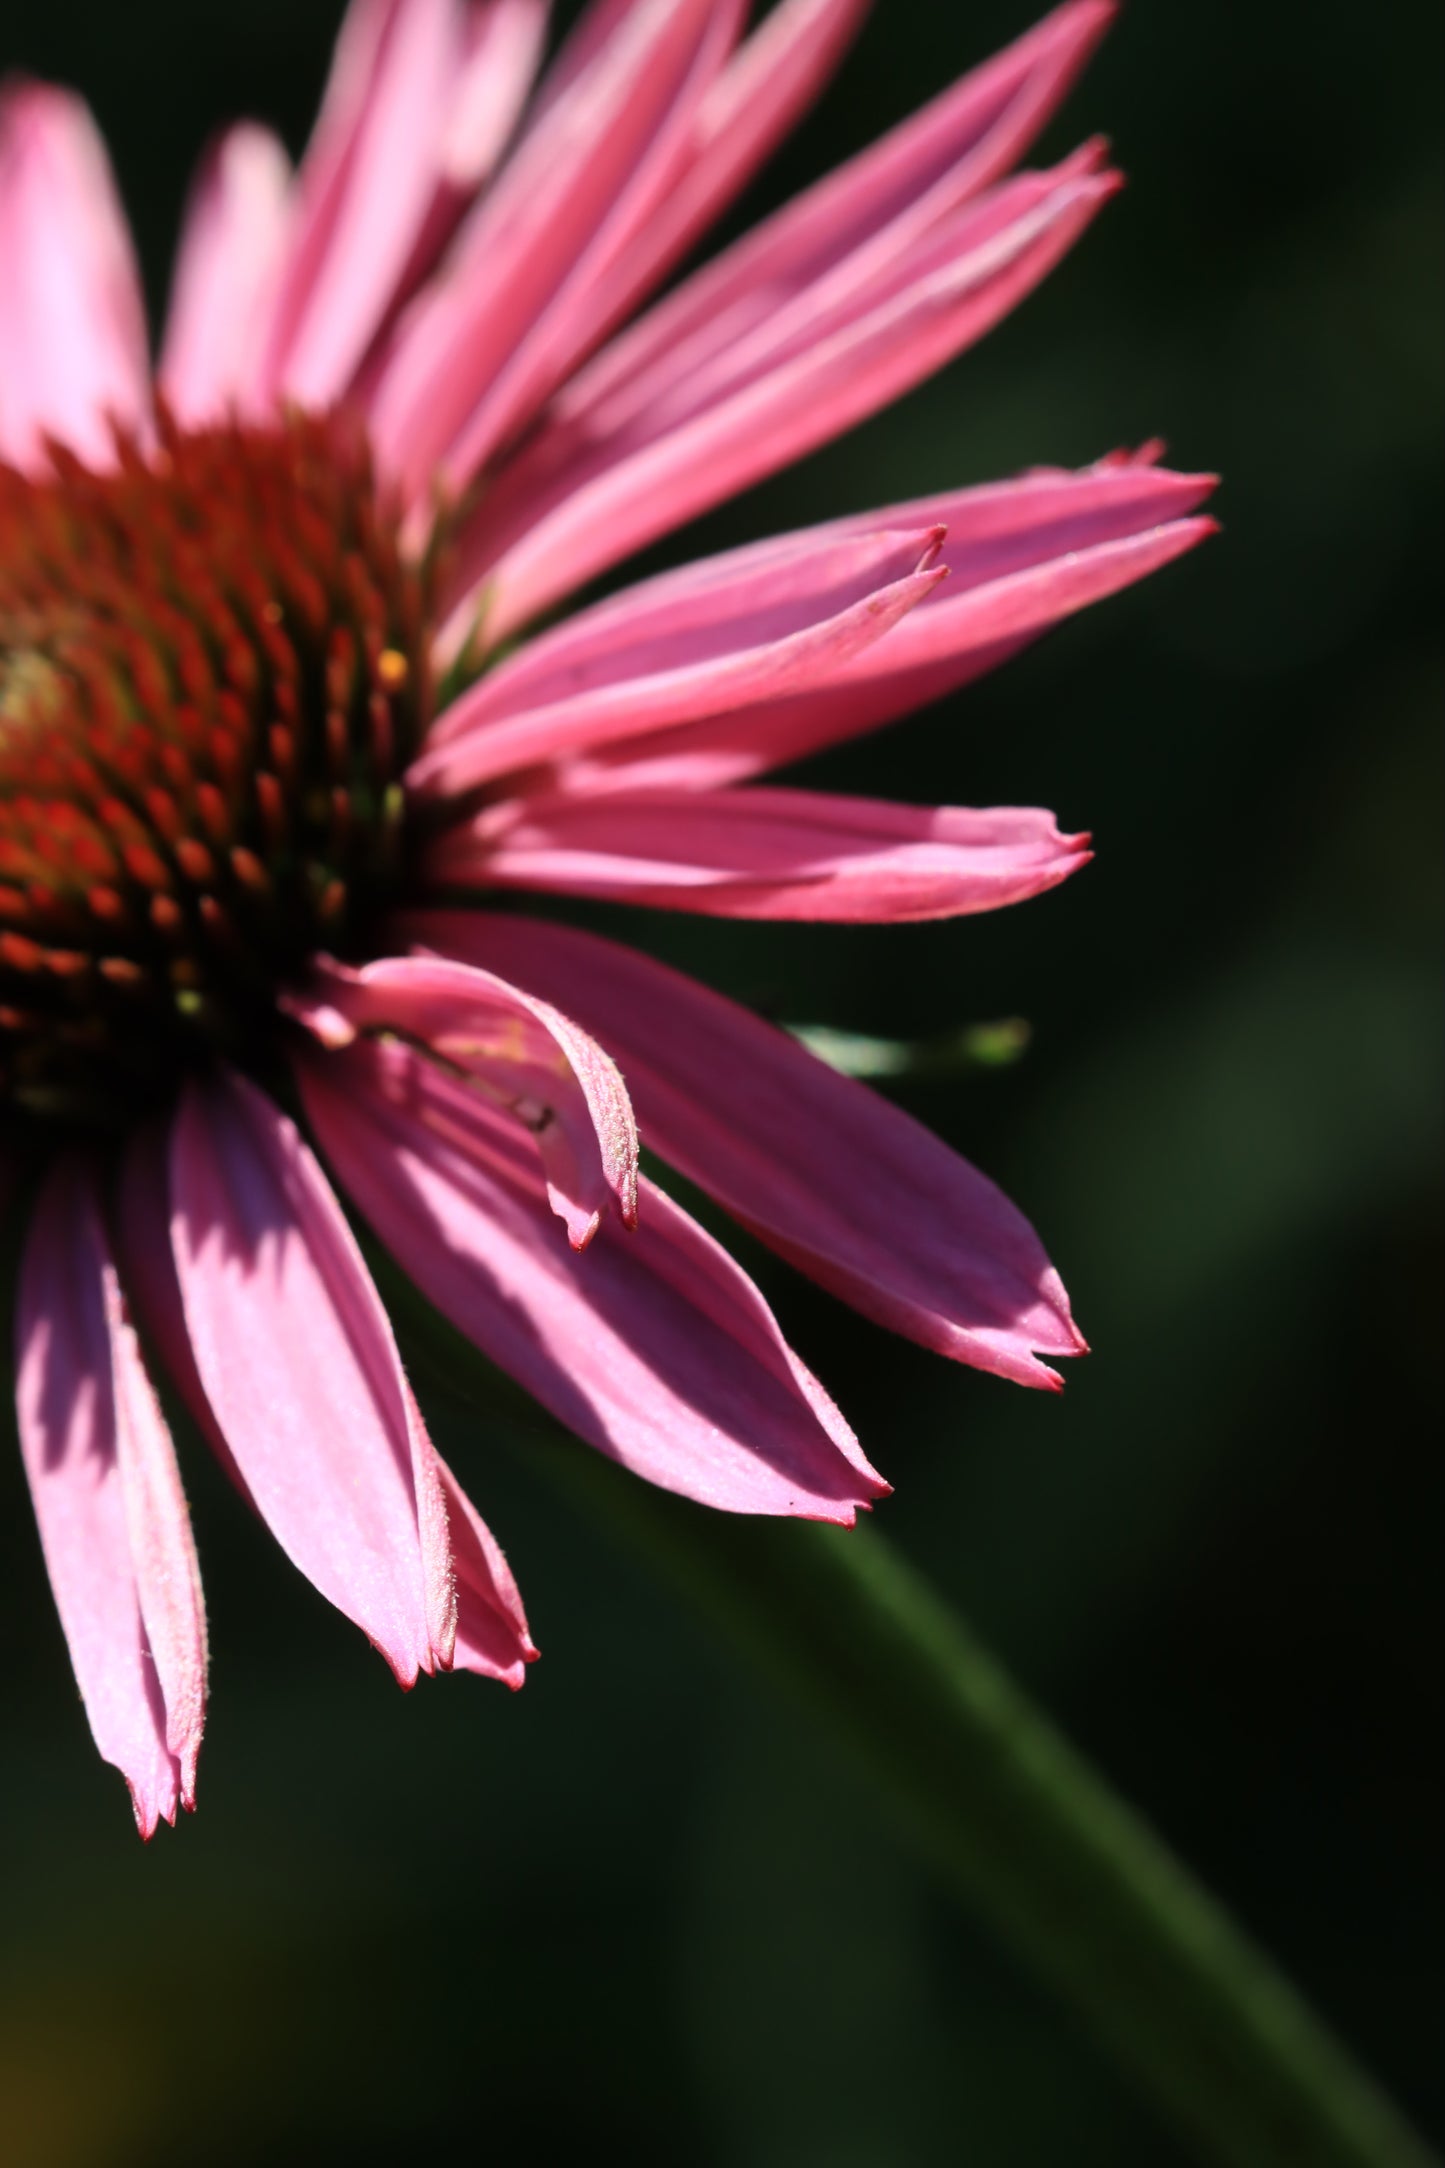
(844, 1513)
(581, 1228)
(150, 1811)
(933, 542)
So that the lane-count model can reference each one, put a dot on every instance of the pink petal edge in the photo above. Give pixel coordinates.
(566, 1093)
(655, 1347)
(561, 514)
(296, 1357)
(72, 331)
(108, 1501)
(846, 1186)
(646, 661)
(757, 853)
(231, 254)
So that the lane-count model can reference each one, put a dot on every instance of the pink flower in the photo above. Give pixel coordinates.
(273, 698)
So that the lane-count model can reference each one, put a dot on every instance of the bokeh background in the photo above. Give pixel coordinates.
(642, 1910)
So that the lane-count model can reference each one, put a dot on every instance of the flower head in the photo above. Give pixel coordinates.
(281, 724)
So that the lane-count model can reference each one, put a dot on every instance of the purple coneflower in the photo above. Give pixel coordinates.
(277, 725)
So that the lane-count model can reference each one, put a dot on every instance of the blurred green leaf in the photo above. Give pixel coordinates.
(994, 1045)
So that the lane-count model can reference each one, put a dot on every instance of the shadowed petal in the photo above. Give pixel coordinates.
(108, 1501)
(492, 1636)
(297, 1361)
(846, 1186)
(225, 278)
(491, 1632)
(678, 649)
(782, 854)
(654, 1347)
(72, 327)
(148, 1273)
(560, 1084)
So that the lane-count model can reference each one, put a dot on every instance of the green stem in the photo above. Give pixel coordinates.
(1020, 1826)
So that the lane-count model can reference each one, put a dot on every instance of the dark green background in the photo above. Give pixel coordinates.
(640, 1910)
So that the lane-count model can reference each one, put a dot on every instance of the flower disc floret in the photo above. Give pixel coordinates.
(213, 673)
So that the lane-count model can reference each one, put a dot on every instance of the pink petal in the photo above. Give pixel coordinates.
(364, 191)
(230, 255)
(781, 854)
(492, 1636)
(654, 1347)
(148, 1274)
(859, 219)
(747, 111)
(589, 299)
(569, 507)
(503, 44)
(714, 606)
(952, 249)
(559, 1082)
(72, 328)
(678, 649)
(1022, 555)
(109, 1504)
(597, 26)
(500, 323)
(491, 1632)
(297, 1360)
(847, 1187)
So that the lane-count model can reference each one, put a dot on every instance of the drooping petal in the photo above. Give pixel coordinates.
(72, 325)
(230, 255)
(108, 1500)
(781, 854)
(1022, 555)
(498, 328)
(846, 1186)
(676, 650)
(654, 1347)
(564, 1089)
(298, 1363)
(491, 1628)
(492, 1636)
(148, 1274)
(580, 498)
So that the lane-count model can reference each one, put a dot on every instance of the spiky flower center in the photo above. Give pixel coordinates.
(213, 674)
